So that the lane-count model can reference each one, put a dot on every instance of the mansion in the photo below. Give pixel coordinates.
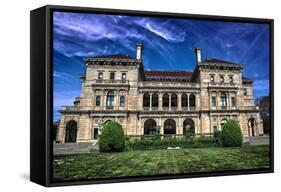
(146, 102)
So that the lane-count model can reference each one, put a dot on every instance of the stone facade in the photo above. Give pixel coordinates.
(117, 87)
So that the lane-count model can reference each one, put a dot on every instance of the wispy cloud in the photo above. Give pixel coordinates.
(62, 75)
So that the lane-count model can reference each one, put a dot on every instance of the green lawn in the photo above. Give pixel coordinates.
(157, 162)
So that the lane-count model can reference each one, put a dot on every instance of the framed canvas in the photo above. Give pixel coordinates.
(125, 95)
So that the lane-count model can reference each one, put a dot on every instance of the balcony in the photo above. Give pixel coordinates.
(148, 84)
(70, 108)
(110, 81)
(221, 84)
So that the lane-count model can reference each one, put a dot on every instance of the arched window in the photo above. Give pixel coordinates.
(166, 100)
(154, 100)
(146, 100)
(223, 121)
(110, 99)
(150, 127)
(174, 100)
(192, 100)
(170, 126)
(71, 132)
(251, 126)
(188, 126)
(184, 102)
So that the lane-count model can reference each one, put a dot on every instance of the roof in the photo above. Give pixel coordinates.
(247, 80)
(214, 60)
(167, 75)
(115, 56)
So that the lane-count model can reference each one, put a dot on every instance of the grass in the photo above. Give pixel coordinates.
(157, 162)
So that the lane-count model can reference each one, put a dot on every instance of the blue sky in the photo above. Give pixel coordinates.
(168, 45)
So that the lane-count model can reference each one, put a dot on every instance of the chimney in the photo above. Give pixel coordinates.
(139, 51)
(198, 55)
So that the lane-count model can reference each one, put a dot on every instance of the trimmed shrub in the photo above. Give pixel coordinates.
(217, 136)
(112, 137)
(128, 143)
(231, 135)
(151, 143)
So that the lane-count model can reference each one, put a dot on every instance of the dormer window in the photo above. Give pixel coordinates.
(245, 92)
(212, 79)
(221, 79)
(231, 79)
(112, 76)
(123, 76)
(100, 75)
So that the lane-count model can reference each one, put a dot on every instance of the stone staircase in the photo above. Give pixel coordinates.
(75, 148)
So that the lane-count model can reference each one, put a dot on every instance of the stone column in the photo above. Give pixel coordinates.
(179, 101)
(228, 101)
(141, 100)
(197, 102)
(150, 101)
(161, 126)
(104, 97)
(188, 107)
(217, 100)
(160, 101)
(170, 102)
(102, 102)
(117, 99)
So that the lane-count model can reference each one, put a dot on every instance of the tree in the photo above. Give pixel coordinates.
(231, 135)
(112, 137)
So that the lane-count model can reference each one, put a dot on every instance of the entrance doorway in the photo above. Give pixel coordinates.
(71, 132)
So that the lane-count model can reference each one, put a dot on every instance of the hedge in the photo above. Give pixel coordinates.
(165, 142)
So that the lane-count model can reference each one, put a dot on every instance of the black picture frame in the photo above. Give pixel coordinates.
(41, 92)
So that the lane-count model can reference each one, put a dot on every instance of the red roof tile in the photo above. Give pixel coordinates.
(168, 73)
(115, 56)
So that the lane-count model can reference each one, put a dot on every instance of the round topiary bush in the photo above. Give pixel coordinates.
(231, 135)
(112, 137)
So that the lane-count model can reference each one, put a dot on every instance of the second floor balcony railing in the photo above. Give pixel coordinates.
(110, 81)
(221, 84)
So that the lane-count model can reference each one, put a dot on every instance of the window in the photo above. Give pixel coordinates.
(122, 100)
(214, 103)
(166, 100)
(97, 100)
(223, 100)
(233, 101)
(112, 75)
(230, 79)
(110, 99)
(221, 79)
(100, 76)
(215, 129)
(223, 121)
(245, 92)
(123, 76)
(212, 79)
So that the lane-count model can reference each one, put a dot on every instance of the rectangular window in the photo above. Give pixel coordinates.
(100, 76)
(123, 76)
(112, 76)
(97, 100)
(212, 79)
(233, 101)
(230, 79)
(122, 100)
(223, 101)
(214, 103)
(221, 79)
(245, 92)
